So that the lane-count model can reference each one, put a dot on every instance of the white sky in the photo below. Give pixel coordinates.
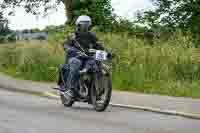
(22, 20)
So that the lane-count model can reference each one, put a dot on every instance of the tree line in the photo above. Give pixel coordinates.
(166, 17)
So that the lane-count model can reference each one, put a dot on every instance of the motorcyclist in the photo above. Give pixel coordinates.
(75, 47)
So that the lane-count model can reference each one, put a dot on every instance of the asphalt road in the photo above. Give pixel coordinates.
(20, 113)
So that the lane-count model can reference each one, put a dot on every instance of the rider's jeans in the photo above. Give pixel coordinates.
(70, 71)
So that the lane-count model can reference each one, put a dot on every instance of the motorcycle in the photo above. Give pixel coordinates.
(95, 86)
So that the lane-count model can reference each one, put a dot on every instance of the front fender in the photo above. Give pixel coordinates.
(106, 69)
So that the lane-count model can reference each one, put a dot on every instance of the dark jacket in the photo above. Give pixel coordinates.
(81, 42)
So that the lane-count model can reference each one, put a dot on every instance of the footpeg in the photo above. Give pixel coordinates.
(58, 88)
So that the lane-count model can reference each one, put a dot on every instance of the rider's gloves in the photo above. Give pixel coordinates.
(110, 55)
(81, 55)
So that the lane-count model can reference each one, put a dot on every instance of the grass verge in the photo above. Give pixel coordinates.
(167, 68)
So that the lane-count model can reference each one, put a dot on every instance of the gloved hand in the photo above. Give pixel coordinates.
(82, 55)
(110, 55)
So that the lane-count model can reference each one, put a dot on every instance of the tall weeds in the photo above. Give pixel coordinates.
(167, 67)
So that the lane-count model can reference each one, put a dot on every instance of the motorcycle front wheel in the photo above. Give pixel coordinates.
(101, 92)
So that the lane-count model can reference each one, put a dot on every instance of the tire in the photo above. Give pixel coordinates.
(66, 102)
(107, 97)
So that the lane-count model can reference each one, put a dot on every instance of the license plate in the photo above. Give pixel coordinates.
(101, 55)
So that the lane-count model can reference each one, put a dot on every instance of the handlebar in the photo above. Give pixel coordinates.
(91, 52)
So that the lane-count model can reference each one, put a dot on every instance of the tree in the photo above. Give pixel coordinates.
(1, 15)
(5, 32)
(3, 24)
(173, 14)
(99, 10)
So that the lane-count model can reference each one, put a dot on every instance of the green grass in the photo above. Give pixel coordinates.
(158, 79)
(166, 68)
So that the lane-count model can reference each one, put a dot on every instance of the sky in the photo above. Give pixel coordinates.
(22, 20)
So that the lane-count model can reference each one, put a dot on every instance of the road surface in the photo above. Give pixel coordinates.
(20, 113)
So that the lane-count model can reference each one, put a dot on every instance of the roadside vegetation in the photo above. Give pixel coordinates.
(160, 57)
(166, 67)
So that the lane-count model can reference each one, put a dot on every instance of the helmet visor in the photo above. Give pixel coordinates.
(83, 26)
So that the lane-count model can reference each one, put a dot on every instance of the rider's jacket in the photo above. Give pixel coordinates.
(81, 42)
